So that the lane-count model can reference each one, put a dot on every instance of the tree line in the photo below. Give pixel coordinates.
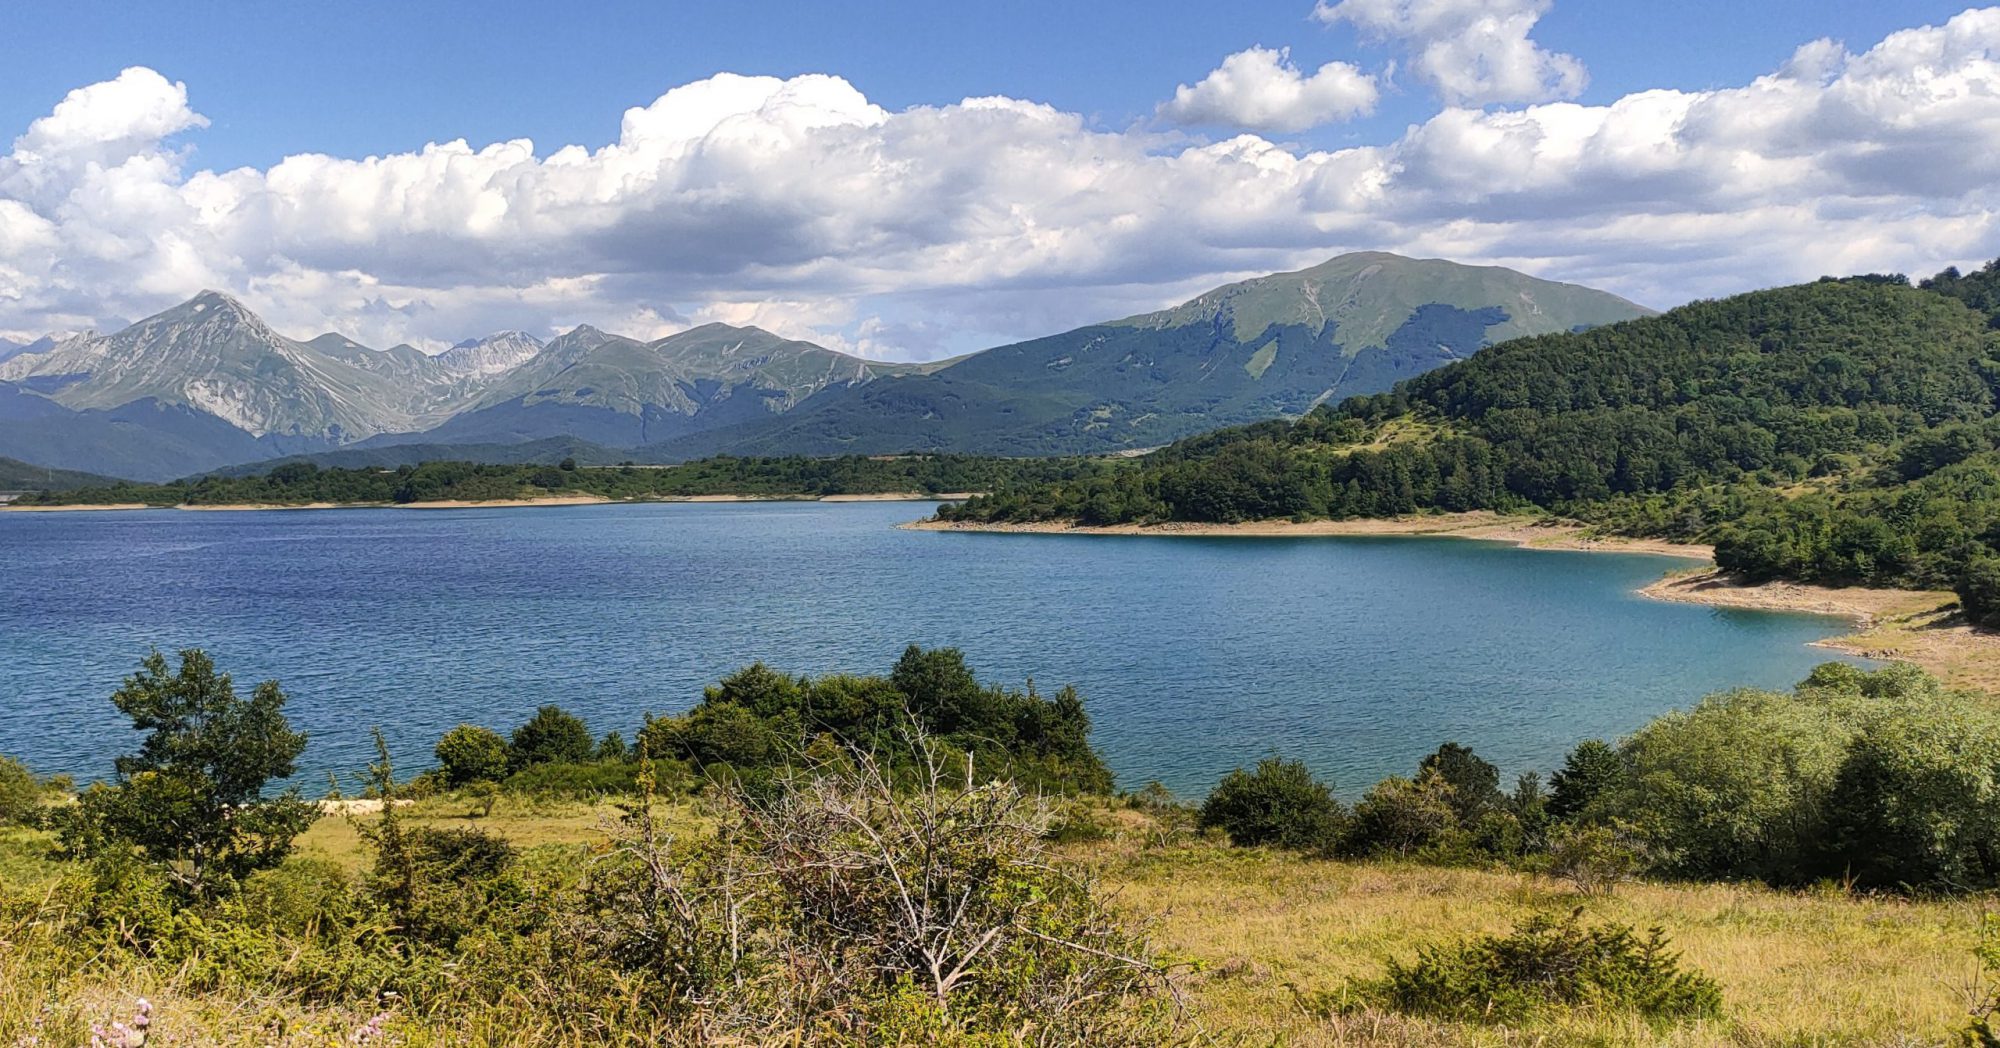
(303, 482)
(1839, 432)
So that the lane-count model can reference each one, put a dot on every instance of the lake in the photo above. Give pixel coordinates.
(1193, 655)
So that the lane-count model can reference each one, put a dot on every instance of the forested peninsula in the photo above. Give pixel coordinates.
(1841, 433)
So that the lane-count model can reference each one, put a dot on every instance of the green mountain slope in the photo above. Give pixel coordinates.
(1277, 345)
(1843, 431)
(16, 475)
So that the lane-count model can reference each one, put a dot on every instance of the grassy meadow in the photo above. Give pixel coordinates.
(1265, 939)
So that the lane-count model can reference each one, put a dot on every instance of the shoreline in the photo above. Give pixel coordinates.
(1894, 625)
(549, 500)
(1524, 532)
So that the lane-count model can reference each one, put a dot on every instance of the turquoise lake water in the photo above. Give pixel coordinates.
(1193, 655)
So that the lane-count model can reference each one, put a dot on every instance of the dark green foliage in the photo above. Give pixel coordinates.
(1475, 784)
(298, 482)
(1544, 963)
(470, 753)
(192, 799)
(759, 719)
(1700, 424)
(552, 736)
(1591, 770)
(1978, 590)
(1279, 804)
(1916, 802)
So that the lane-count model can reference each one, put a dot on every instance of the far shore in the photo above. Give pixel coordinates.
(1918, 626)
(548, 500)
(1526, 532)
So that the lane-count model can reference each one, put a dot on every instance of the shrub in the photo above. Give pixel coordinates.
(1402, 816)
(470, 753)
(596, 779)
(1593, 859)
(1984, 1031)
(20, 794)
(1545, 963)
(552, 736)
(1279, 804)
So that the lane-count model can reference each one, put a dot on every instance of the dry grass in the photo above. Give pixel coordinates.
(1797, 969)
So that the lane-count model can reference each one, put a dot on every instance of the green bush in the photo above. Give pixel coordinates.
(1545, 963)
(1279, 804)
(1916, 801)
(1401, 816)
(552, 736)
(593, 779)
(470, 753)
(20, 794)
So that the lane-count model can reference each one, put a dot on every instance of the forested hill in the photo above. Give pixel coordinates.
(1841, 431)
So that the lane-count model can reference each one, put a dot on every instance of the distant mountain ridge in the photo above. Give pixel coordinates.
(208, 384)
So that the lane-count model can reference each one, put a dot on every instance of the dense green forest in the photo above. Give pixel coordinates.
(1840, 432)
(299, 483)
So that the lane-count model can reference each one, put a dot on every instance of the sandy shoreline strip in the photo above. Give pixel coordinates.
(1526, 532)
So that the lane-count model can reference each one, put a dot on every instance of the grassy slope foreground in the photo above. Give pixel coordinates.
(1841, 432)
(1264, 929)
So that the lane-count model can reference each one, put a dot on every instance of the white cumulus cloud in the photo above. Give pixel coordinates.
(1472, 52)
(801, 205)
(1262, 90)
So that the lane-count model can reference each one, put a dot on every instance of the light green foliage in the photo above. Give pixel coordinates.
(1736, 786)
(1401, 816)
(192, 799)
(470, 753)
(20, 794)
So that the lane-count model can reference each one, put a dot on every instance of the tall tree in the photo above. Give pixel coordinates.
(192, 799)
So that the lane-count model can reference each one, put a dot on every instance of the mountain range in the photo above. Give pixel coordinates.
(207, 384)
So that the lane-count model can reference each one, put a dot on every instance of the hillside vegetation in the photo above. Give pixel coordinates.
(1840, 432)
(920, 858)
(302, 483)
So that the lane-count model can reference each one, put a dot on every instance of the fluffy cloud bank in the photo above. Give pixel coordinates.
(803, 206)
(1261, 89)
(1472, 52)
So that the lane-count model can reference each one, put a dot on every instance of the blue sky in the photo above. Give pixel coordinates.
(890, 221)
(360, 78)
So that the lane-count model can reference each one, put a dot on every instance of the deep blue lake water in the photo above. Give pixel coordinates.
(1193, 655)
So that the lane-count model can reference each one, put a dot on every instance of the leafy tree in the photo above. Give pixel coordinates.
(1979, 591)
(192, 799)
(1280, 804)
(1916, 801)
(470, 753)
(552, 736)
